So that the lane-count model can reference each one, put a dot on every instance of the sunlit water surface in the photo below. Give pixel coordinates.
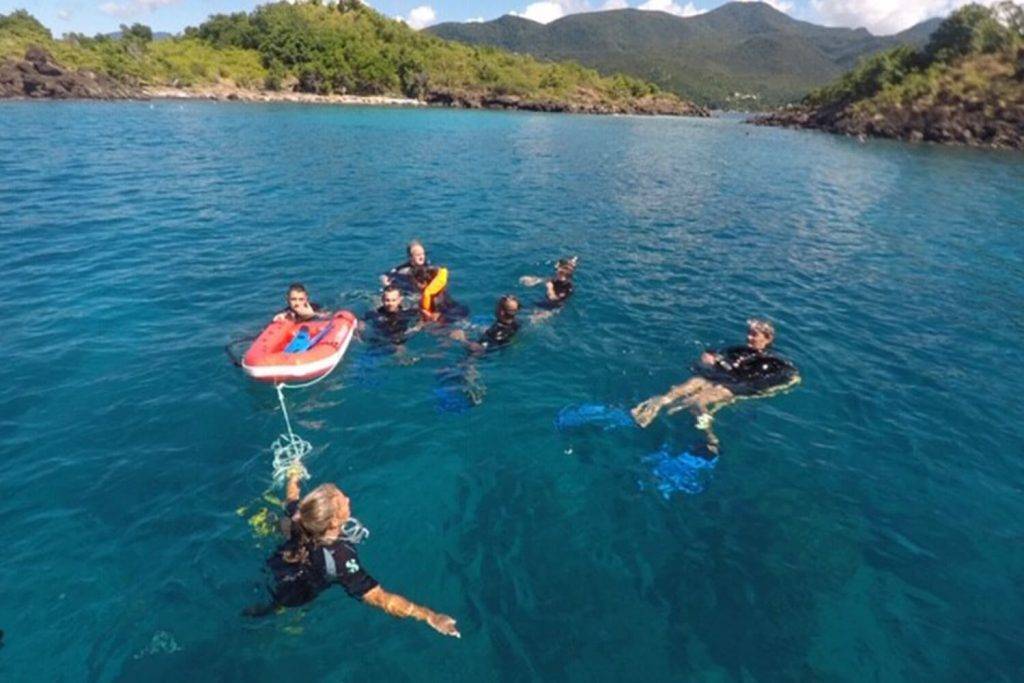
(867, 526)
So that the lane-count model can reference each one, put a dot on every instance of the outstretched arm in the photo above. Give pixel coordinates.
(401, 608)
(530, 280)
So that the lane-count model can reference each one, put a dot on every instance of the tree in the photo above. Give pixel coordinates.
(971, 29)
(138, 32)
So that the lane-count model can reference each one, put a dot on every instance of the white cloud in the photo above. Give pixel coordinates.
(614, 4)
(780, 5)
(421, 17)
(881, 16)
(542, 12)
(64, 15)
(687, 10)
(475, 20)
(131, 8)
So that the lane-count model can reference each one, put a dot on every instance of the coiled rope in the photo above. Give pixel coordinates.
(289, 449)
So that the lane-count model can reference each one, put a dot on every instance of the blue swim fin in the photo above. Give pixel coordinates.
(683, 473)
(606, 417)
(452, 399)
(300, 342)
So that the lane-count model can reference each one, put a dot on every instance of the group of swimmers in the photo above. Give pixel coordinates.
(321, 532)
(393, 322)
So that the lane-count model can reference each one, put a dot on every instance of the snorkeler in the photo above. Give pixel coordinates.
(299, 308)
(557, 290)
(435, 302)
(391, 321)
(401, 275)
(500, 333)
(721, 376)
(320, 552)
(560, 287)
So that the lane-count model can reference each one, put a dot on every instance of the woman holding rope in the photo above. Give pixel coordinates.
(320, 552)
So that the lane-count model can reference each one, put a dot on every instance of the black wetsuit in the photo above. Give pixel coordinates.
(499, 334)
(450, 309)
(299, 583)
(563, 290)
(745, 371)
(401, 276)
(392, 326)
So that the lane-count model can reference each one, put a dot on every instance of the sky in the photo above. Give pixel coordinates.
(102, 16)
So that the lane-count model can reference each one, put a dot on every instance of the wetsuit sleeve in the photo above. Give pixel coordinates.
(351, 575)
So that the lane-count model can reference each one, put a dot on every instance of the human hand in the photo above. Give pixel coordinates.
(458, 335)
(707, 358)
(296, 471)
(385, 280)
(443, 624)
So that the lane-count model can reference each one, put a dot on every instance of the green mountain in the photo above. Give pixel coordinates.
(748, 48)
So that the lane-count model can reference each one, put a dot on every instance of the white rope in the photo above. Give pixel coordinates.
(289, 449)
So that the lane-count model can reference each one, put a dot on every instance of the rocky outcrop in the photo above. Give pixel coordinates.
(952, 121)
(39, 76)
(983, 112)
(583, 103)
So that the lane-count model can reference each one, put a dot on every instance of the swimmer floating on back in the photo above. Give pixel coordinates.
(320, 552)
(299, 308)
(721, 376)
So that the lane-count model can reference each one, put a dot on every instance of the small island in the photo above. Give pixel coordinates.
(966, 86)
(309, 52)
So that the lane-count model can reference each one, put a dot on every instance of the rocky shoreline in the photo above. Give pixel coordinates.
(951, 122)
(651, 105)
(990, 114)
(39, 76)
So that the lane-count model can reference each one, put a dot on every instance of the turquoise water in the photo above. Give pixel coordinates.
(866, 526)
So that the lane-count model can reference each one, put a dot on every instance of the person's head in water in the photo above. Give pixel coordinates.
(391, 299)
(422, 275)
(565, 267)
(297, 296)
(322, 514)
(507, 308)
(417, 254)
(760, 334)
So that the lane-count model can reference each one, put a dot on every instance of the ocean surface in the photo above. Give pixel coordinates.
(867, 525)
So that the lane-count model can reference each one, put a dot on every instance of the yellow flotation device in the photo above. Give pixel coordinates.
(436, 287)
